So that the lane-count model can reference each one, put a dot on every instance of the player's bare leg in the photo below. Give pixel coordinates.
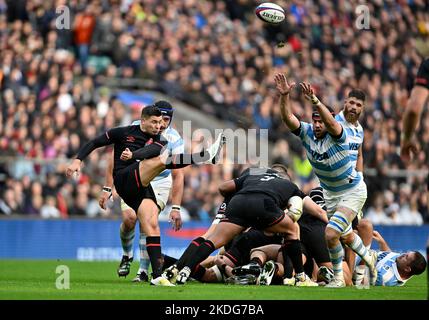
(150, 168)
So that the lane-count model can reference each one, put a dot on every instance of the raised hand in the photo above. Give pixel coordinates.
(282, 85)
(309, 92)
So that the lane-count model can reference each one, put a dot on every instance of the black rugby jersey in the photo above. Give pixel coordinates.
(268, 182)
(131, 137)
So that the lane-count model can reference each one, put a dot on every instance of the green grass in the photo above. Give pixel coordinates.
(34, 279)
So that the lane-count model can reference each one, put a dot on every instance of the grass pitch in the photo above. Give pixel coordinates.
(34, 279)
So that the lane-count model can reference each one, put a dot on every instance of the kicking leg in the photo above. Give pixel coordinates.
(150, 168)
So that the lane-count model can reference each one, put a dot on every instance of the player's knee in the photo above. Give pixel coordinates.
(129, 220)
(365, 225)
(153, 228)
(348, 238)
(331, 235)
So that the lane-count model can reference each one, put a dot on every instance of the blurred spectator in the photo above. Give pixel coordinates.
(49, 209)
(391, 208)
(376, 212)
(83, 29)
(8, 203)
(410, 214)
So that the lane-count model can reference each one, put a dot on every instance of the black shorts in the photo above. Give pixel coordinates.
(312, 233)
(256, 210)
(238, 250)
(422, 78)
(129, 187)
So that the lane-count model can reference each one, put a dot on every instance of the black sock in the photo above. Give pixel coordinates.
(189, 252)
(287, 264)
(309, 265)
(177, 161)
(153, 247)
(168, 261)
(204, 250)
(257, 261)
(292, 248)
(198, 273)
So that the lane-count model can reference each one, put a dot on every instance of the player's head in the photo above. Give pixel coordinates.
(354, 104)
(151, 120)
(411, 263)
(167, 112)
(281, 170)
(319, 127)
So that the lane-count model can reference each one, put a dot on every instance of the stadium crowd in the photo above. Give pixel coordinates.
(216, 56)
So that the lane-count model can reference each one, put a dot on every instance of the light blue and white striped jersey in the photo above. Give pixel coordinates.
(388, 274)
(354, 136)
(175, 145)
(330, 159)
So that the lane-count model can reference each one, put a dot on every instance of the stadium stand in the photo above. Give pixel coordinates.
(216, 57)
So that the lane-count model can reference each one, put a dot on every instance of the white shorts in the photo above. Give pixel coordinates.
(161, 189)
(353, 199)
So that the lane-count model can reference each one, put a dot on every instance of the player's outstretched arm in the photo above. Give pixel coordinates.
(411, 118)
(108, 184)
(176, 198)
(381, 242)
(284, 88)
(415, 104)
(100, 141)
(333, 127)
(314, 209)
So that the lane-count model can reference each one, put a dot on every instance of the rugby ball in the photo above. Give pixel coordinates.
(270, 12)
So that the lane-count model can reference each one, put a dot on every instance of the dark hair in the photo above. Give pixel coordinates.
(418, 265)
(280, 168)
(150, 111)
(316, 113)
(358, 94)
